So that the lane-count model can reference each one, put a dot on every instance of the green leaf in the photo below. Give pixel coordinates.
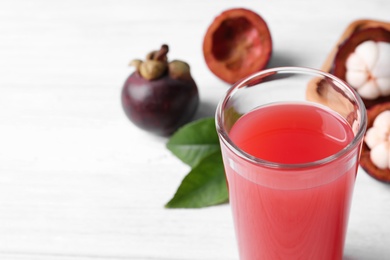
(195, 141)
(205, 185)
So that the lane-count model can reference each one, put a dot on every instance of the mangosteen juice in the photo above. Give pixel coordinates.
(291, 223)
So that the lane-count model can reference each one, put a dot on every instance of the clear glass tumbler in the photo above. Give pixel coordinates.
(291, 140)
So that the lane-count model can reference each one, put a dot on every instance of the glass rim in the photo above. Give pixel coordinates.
(224, 136)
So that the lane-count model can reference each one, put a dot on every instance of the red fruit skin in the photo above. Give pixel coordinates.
(159, 106)
(236, 44)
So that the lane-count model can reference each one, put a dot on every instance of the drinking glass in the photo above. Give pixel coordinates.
(290, 200)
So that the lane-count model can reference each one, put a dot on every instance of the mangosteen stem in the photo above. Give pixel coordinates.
(162, 53)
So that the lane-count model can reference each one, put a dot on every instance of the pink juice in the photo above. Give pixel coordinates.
(291, 212)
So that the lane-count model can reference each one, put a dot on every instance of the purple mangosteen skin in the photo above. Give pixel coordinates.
(159, 106)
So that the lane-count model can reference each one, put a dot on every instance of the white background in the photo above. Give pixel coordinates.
(79, 181)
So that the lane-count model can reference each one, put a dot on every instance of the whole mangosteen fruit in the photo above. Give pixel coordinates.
(160, 96)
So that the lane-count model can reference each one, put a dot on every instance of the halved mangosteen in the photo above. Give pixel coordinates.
(381, 174)
(237, 44)
(345, 46)
(357, 58)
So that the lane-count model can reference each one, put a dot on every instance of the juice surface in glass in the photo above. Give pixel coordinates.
(291, 213)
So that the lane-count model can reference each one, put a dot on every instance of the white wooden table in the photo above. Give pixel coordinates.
(78, 181)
